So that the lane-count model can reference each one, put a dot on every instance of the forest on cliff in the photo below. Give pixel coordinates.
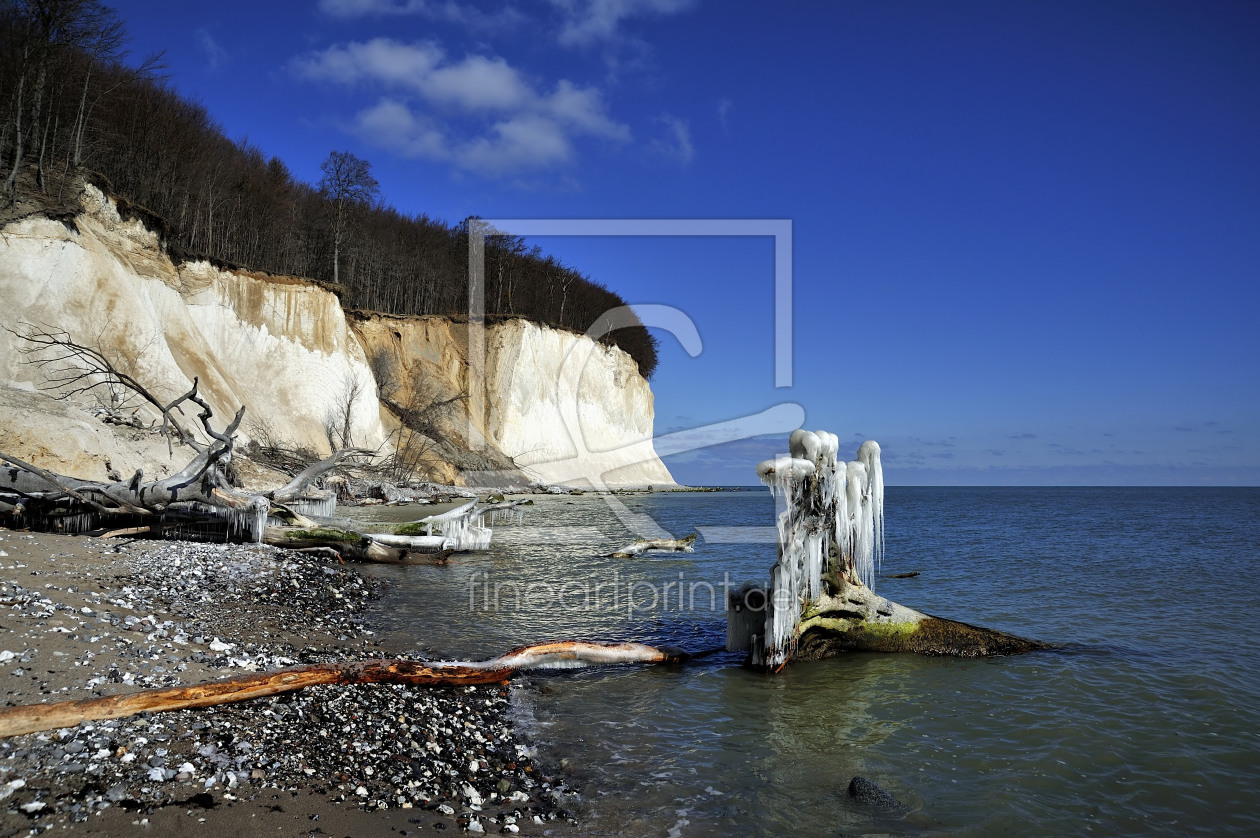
(75, 105)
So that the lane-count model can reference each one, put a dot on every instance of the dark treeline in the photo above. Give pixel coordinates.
(72, 105)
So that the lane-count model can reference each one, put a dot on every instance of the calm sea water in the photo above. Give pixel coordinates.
(1147, 721)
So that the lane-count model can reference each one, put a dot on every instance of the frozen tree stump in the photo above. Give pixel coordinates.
(820, 601)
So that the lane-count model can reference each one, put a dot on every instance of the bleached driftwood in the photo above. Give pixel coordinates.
(464, 525)
(656, 545)
(200, 487)
(36, 717)
(200, 494)
(357, 546)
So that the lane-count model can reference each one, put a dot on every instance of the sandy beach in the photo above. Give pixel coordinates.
(82, 617)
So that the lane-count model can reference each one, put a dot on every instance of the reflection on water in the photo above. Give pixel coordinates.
(1146, 723)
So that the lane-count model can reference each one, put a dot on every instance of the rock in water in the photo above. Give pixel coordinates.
(869, 794)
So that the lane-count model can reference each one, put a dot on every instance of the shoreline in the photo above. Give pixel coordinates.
(81, 617)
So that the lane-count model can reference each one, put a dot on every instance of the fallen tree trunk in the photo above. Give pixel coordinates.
(43, 495)
(36, 717)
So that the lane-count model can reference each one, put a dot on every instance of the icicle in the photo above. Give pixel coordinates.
(869, 455)
(861, 524)
(814, 547)
(77, 524)
(322, 507)
(829, 447)
(831, 485)
(794, 573)
(784, 473)
(250, 521)
(464, 525)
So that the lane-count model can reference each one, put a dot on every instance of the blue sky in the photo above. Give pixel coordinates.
(1026, 236)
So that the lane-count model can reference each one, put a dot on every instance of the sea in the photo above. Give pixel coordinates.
(1143, 720)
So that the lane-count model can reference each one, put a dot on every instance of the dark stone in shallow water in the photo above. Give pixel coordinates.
(868, 794)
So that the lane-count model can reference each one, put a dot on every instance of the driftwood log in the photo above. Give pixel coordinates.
(656, 545)
(36, 717)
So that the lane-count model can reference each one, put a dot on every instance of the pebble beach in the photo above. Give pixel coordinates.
(81, 618)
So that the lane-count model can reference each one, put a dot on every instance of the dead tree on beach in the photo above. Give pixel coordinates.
(200, 495)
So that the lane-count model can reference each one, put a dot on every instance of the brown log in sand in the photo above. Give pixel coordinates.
(35, 717)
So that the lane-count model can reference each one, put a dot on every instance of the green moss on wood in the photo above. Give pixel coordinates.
(326, 534)
(823, 637)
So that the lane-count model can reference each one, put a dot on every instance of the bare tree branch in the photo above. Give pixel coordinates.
(73, 368)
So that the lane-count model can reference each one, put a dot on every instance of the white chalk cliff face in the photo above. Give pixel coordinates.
(570, 411)
(283, 348)
(566, 410)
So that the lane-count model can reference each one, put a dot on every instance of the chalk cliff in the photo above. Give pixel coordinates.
(557, 406)
(565, 409)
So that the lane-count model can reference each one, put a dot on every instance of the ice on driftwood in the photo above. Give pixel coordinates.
(325, 507)
(250, 521)
(656, 545)
(464, 526)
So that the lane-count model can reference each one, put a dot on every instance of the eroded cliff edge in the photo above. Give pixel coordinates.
(557, 408)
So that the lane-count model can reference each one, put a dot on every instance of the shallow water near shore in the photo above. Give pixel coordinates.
(1145, 722)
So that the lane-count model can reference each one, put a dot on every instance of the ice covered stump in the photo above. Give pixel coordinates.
(821, 599)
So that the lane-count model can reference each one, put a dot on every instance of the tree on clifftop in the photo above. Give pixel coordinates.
(49, 39)
(349, 184)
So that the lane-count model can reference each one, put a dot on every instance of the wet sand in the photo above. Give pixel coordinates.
(81, 617)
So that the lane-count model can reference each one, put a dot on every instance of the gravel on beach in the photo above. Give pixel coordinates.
(81, 618)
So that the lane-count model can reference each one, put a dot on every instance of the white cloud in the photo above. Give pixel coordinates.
(392, 125)
(583, 108)
(499, 120)
(528, 141)
(677, 140)
(380, 60)
(586, 22)
(724, 108)
(215, 53)
(449, 12)
(477, 83)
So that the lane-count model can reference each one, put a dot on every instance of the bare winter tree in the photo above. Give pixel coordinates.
(338, 424)
(72, 369)
(349, 185)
